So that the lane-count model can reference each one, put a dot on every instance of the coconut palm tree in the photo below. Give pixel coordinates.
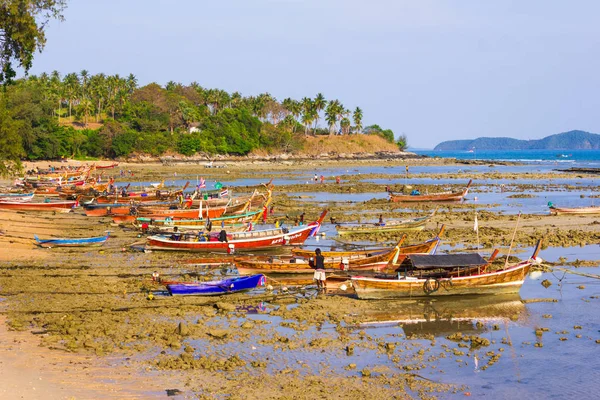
(358, 115)
(331, 114)
(320, 103)
(72, 85)
(56, 88)
(308, 113)
(132, 83)
(345, 125)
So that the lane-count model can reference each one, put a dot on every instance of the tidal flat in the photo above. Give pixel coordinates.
(98, 310)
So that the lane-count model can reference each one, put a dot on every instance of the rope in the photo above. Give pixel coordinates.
(593, 276)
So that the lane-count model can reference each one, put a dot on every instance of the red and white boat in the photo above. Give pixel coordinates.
(61, 206)
(239, 241)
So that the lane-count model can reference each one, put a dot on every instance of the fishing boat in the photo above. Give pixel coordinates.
(72, 242)
(216, 288)
(446, 274)
(415, 196)
(238, 241)
(16, 197)
(302, 265)
(402, 225)
(427, 247)
(113, 165)
(56, 206)
(197, 224)
(574, 210)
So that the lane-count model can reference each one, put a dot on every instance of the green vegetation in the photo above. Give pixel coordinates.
(83, 115)
(22, 24)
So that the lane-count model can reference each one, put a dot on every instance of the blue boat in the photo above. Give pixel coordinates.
(216, 288)
(20, 197)
(72, 242)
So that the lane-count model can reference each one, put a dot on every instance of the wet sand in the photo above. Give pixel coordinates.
(90, 311)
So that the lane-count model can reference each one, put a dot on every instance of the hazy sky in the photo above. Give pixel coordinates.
(434, 70)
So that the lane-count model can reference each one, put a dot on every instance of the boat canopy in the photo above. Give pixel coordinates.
(431, 261)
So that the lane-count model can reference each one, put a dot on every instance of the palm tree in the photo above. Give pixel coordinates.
(345, 125)
(84, 82)
(308, 113)
(86, 108)
(320, 104)
(56, 89)
(331, 114)
(358, 114)
(71, 83)
(132, 83)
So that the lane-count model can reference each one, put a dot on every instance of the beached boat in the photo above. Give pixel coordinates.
(427, 247)
(440, 275)
(58, 206)
(72, 242)
(402, 225)
(216, 288)
(113, 165)
(238, 241)
(16, 197)
(196, 224)
(301, 265)
(574, 210)
(442, 196)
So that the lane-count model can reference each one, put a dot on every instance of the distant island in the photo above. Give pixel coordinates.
(572, 140)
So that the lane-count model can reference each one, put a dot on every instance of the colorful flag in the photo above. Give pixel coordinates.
(224, 192)
(202, 183)
(476, 225)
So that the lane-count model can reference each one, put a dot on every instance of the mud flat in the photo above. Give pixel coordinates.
(71, 315)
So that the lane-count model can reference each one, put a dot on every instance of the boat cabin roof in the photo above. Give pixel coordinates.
(430, 261)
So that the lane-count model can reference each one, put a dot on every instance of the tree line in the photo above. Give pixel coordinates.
(85, 115)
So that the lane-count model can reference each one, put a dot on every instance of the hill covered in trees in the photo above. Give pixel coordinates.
(83, 115)
(572, 140)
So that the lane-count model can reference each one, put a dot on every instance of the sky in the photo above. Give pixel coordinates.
(432, 70)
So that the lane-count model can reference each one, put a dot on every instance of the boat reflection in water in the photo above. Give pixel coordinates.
(442, 316)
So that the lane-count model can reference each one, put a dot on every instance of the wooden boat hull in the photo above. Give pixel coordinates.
(217, 288)
(445, 196)
(574, 210)
(500, 282)
(427, 247)
(107, 211)
(62, 206)
(16, 197)
(240, 241)
(351, 230)
(72, 242)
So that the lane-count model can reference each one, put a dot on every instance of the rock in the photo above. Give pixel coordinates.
(182, 329)
(365, 373)
(218, 333)
(222, 306)
(247, 325)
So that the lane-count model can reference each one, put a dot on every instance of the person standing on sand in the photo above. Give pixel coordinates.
(319, 266)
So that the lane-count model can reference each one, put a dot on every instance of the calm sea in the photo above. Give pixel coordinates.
(588, 157)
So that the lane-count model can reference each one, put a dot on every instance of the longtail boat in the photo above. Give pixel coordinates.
(427, 247)
(420, 282)
(16, 197)
(403, 225)
(216, 288)
(296, 265)
(239, 241)
(113, 165)
(442, 196)
(72, 242)
(573, 211)
(197, 223)
(60, 206)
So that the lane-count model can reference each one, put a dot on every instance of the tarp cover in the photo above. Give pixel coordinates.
(425, 261)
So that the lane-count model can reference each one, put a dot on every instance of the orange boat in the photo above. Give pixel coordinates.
(442, 196)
